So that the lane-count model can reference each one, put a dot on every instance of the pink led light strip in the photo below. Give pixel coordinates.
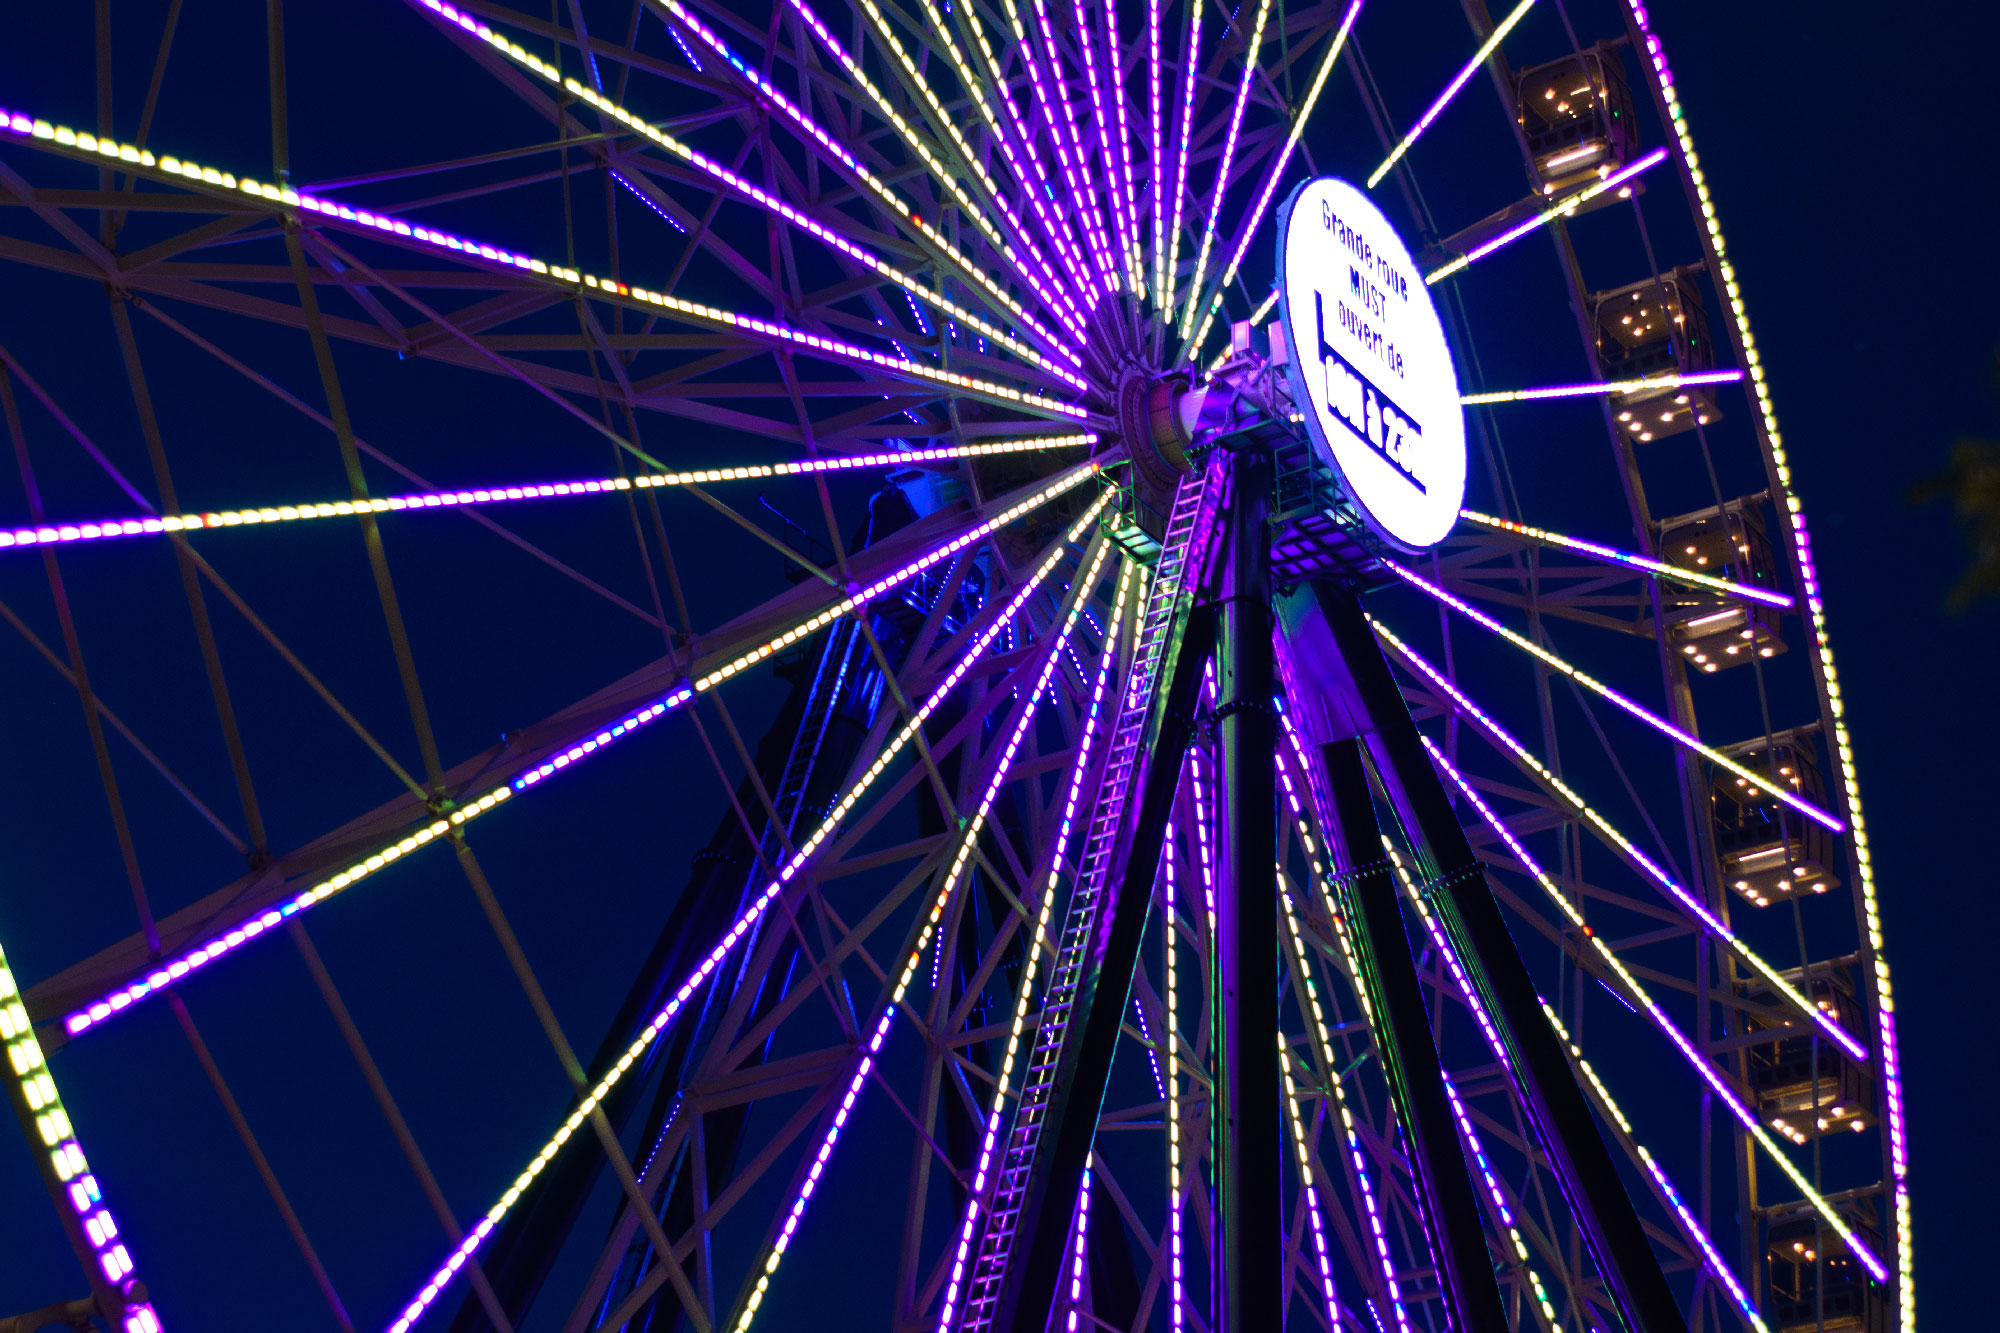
(1548, 215)
(1660, 567)
(880, 1029)
(1598, 687)
(42, 1107)
(1038, 942)
(1836, 706)
(1228, 158)
(133, 527)
(1248, 229)
(169, 970)
(1128, 245)
(828, 826)
(15, 123)
(1602, 387)
(1691, 904)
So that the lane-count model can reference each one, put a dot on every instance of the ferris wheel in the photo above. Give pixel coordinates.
(1303, 781)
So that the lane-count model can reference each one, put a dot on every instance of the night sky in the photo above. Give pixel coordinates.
(1844, 145)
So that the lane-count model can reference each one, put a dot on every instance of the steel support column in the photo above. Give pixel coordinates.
(1548, 1088)
(1249, 1114)
(1407, 1048)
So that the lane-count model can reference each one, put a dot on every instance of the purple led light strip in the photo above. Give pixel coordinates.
(1598, 687)
(1156, 166)
(828, 826)
(901, 207)
(880, 1029)
(1065, 278)
(169, 970)
(1181, 158)
(1304, 1155)
(42, 1106)
(1548, 215)
(1493, 1191)
(1082, 1249)
(1056, 115)
(1693, 905)
(1120, 214)
(1647, 563)
(419, 500)
(1037, 941)
(1843, 755)
(1228, 157)
(1486, 49)
(18, 123)
(971, 160)
(1325, 1045)
(1325, 1040)
(1248, 230)
(1473, 1002)
(1600, 387)
(1705, 1068)
(763, 198)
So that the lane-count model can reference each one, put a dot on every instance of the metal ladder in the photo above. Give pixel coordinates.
(1165, 604)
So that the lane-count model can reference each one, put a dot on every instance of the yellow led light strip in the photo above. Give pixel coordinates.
(899, 206)
(1222, 171)
(1271, 181)
(944, 118)
(1471, 66)
(828, 826)
(40, 1108)
(46, 534)
(1636, 989)
(701, 161)
(972, 85)
(285, 196)
(914, 958)
(168, 971)
(1647, 563)
(1662, 81)
(1599, 688)
(1436, 933)
(1748, 956)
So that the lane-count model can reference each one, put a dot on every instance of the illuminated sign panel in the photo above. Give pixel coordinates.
(1370, 367)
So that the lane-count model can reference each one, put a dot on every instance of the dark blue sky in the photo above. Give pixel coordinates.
(1844, 145)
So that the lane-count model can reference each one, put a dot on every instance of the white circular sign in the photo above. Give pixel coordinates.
(1370, 366)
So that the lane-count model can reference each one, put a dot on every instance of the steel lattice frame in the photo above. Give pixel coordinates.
(949, 238)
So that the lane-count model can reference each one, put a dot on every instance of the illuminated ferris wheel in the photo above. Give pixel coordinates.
(1257, 823)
